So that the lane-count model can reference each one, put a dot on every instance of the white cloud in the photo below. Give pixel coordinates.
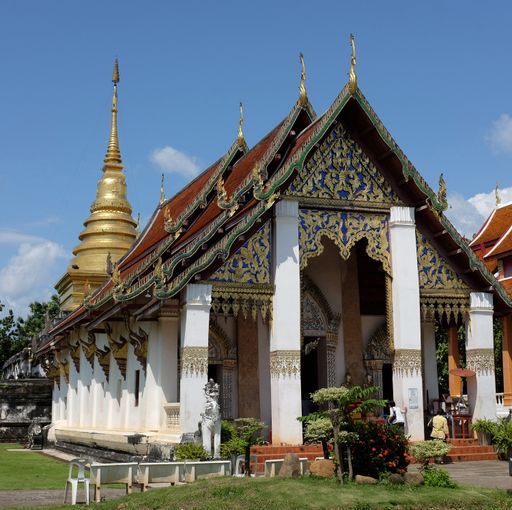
(29, 275)
(8, 236)
(500, 136)
(174, 161)
(468, 215)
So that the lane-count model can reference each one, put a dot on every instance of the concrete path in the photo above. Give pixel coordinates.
(24, 498)
(485, 473)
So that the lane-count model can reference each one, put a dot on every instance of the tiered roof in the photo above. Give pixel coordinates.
(191, 234)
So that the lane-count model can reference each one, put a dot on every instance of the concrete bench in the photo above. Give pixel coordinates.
(160, 472)
(196, 470)
(273, 466)
(112, 473)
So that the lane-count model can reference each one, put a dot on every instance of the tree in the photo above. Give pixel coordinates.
(342, 404)
(17, 333)
(249, 432)
(8, 335)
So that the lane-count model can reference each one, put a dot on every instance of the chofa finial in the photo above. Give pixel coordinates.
(303, 95)
(497, 195)
(441, 194)
(352, 78)
(241, 138)
(162, 190)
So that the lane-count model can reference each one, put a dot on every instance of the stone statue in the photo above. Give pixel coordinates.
(211, 419)
(348, 381)
(369, 380)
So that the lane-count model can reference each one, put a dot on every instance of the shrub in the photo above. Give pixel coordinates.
(425, 451)
(190, 451)
(378, 449)
(484, 426)
(319, 430)
(233, 446)
(502, 438)
(437, 477)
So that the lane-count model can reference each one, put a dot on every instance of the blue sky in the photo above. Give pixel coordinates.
(437, 73)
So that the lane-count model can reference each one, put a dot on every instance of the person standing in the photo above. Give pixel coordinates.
(439, 426)
(396, 416)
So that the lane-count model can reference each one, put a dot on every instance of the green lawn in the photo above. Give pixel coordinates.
(30, 470)
(307, 493)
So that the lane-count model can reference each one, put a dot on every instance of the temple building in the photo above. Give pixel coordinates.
(493, 245)
(317, 257)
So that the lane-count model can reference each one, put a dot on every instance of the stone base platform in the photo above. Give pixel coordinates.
(259, 454)
(116, 444)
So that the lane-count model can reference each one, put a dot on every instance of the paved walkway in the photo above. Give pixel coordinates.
(23, 498)
(485, 473)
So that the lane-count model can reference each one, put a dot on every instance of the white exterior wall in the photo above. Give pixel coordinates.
(195, 320)
(161, 372)
(428, 340)
(73, 403)
(407, 381)
(285, 329)
(84, 391)
(480, 356)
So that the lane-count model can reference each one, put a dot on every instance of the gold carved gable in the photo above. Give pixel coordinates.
(250, 263)
(340, 170)
(345, 229)
(435, 274)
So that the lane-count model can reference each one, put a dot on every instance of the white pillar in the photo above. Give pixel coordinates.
(430, 360)
(285, 331)
(407, 376)
(195, 325)
(480, 356)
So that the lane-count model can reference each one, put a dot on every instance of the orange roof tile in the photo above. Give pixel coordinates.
(502, 246)
(495, 226)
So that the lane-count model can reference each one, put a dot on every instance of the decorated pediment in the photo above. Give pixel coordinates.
(340, 170)
(250, 263)
(345, 229)
(434, 271)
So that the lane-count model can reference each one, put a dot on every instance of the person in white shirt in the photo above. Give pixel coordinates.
(396, 416)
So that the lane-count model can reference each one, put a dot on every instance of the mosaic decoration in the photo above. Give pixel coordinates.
(344, 229)
(250, 263)
(339, 169)
(407, 362)
(480, 360)
(253, 299)
(74, 352)
(285, 363)
(194, 361)
(450, 307)
(313, 322)
(89, 347)
(434, 271)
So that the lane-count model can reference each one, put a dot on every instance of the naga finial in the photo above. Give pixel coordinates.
(221, 191)
(352, 78)
(441, 194)
(137, 229)
(116, 275)
(87, 288)
(241, 138)
(497, 194)
(162, 190)
(303, 95)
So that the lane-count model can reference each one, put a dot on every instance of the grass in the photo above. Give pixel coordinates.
(307, 493)
(30, 470)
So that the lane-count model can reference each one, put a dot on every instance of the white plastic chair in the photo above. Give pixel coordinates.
(73, 481)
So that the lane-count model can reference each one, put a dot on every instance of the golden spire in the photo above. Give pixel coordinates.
(110, 228)
(303, 95)
(352, 78)
(497, 194)
(113, 152)
(241, 138)
(162, 190)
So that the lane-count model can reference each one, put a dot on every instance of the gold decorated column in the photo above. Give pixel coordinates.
(455, 382)
(507, 360)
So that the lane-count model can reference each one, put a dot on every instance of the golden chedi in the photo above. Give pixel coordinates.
(109, 230)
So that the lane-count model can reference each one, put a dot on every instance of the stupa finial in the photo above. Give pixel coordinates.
(113, 153)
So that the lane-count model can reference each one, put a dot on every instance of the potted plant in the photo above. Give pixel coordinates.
(485, 430)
